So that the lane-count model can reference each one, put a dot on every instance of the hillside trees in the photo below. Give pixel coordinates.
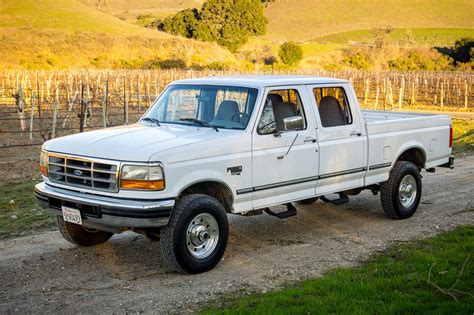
(230, 23)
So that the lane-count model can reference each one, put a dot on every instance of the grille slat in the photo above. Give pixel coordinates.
(81, 172)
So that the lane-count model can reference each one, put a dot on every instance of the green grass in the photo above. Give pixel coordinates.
(19, 213)
(425, 36)
(395, 282)
(463, 135)
(315, 48)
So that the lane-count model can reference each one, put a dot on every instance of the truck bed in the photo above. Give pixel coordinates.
(391, 133)
(378, 121)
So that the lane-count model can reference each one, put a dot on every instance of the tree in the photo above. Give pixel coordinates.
(183, 23)
(290, 53)
(230, 23)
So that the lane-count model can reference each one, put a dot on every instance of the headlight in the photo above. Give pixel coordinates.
(142, 177)
(44, 163)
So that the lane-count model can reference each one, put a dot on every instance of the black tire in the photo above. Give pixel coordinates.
(78, 235)
(308, 201)
(173, 238)
(390, 191)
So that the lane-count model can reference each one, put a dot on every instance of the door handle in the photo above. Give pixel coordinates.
(309, 139)
(355, 133)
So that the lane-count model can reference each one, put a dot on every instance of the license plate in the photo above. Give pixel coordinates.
(72, 215)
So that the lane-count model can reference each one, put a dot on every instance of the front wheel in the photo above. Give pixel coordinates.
(81, 236)
(195, 239)
(401, 194)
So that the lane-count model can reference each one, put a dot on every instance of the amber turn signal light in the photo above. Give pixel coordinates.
(142, 184)
(44, 170)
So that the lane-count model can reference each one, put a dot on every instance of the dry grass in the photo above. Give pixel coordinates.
(67, 34)
(129, 9)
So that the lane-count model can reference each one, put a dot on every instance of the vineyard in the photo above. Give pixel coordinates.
(36, 106)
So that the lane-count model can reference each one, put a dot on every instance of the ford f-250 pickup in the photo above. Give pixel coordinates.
(242, 145)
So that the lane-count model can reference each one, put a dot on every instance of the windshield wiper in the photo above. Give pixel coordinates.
(153, 120)
(200, 123)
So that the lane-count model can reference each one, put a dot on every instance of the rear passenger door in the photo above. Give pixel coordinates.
(284, 163)
(341, 137)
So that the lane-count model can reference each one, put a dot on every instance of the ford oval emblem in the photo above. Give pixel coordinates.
(77, 172)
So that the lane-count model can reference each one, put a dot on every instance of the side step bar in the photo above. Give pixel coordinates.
(290, 211)
(343, 198)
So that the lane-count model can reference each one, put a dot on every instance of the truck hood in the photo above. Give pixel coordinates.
(135, 142)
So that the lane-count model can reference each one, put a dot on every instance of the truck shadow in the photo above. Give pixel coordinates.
(131, 256)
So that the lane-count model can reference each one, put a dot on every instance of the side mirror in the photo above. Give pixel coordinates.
(293, 123)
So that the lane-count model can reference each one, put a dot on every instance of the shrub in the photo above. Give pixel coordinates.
(420, 60)
(146, 20)
(172, 64)
(218, 66)
(290, 53)
(269, 60)
(358, 60)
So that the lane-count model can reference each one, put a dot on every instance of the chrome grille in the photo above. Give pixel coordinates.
(82, 172)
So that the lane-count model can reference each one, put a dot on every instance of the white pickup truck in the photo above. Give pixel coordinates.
(240, 145)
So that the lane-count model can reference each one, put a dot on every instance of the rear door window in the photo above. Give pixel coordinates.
(333, 106)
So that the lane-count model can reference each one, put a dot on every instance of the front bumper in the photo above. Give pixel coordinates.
(106, 213)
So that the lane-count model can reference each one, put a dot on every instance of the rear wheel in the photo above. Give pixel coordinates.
(81, 236)
(195, 239)
(401, 194)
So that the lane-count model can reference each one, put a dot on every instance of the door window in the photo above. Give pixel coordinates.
(333, 106)
(279, 104)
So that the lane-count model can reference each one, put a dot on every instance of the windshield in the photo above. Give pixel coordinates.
(220, 106)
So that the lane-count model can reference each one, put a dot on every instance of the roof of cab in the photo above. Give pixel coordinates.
(260, 80)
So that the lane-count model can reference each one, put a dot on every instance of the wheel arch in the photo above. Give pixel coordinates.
(415, 154)
(211, 187)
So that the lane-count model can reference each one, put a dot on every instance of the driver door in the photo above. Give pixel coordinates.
(284, 162)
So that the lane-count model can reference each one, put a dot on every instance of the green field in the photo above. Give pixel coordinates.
(425, 277)
(304, 20)
(463, 135)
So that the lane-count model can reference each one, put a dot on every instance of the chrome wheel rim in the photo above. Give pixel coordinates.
(202, 235)
(407, 191)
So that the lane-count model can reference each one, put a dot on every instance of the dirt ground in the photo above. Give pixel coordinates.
(44, 273)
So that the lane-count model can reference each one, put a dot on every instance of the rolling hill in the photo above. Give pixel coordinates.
(104, 34)
(69, 34)
(326, 27)
(308, 19)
